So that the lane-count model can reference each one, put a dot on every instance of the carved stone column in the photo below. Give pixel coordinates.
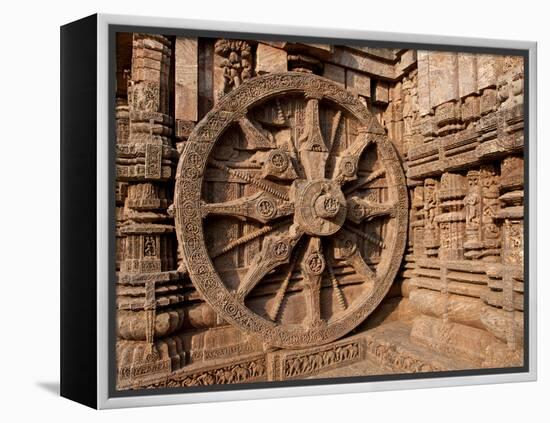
(410, 111)
(417, 221)
(490, 206)
(431, 231)
(451, 219)
(145, 165)
(472, 209)
(122, 133)
(504, 316)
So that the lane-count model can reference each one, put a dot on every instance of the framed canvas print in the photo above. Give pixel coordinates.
(262, 211)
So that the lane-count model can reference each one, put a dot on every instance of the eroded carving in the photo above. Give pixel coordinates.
(292, 211)
(319, 211)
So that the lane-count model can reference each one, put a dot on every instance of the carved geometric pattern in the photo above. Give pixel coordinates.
(329, 187)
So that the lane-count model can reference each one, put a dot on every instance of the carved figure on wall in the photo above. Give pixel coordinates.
(291, 211)
(472, 206)
(490, 195)
(431, 235)
(471, 201)
(237, 63)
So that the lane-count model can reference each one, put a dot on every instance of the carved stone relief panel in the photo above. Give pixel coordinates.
(290, 210)
(315, 205)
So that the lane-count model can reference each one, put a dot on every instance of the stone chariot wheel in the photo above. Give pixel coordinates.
(291, 210)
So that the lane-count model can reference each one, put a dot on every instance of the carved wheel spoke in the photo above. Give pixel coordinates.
(358, 263)
(278, 165)
(364, 181)
(313, 267)
(311, 190)
(312, 148)
(280, 295)
(360, 209)
(261, 207)
(246, 239)
(257, 137)
(276, 250)
(264, 185)
(334, 131)
(336, 286)
(347, 248)
(369, 237)
(348, 163)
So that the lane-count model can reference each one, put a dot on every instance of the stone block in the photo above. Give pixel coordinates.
(452, 338)
(186, 78)
(270, 59)
(381, 93)
(335, 73)
(467, 74)
(406, 61)
(486, 71)
(443, 77)
(423, 83)
(457, 308)
(358, 83)
(361, 62)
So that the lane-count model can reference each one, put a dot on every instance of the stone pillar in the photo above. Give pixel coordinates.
(186, 93)
(472, 211)
(510, 217)
(481, 206)
(489, 207)
(431, 230)
(146, 163)
(122, 133)
(451, 219)
(410, 111)
(417, 221)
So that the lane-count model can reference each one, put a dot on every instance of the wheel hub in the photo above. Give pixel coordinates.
(320, 206)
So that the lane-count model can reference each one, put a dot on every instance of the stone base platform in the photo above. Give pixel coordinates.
(385, 349)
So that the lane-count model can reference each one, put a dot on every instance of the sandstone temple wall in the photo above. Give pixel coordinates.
(456, 120)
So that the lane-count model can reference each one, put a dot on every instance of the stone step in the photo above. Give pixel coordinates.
(390, 346)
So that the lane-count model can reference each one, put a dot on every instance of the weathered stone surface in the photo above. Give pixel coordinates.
(486, 71)
(443, 77)
(317, 50)
(206, 76)
(407, 61)
(270, 59)
(424, 102)
(360, 62)
(358, 83)
(452, 338)
(288, 243)
(381, 94)
(467, 74)
(335, 73)
(186, 78)
(385, 53)
(458, 309)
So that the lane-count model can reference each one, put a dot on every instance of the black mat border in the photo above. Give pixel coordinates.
(78, 211)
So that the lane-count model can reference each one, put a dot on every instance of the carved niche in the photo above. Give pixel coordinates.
(293, 229)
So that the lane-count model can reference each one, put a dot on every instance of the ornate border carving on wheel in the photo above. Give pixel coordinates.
(189, 222)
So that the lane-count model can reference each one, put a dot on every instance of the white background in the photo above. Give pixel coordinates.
(29, 246)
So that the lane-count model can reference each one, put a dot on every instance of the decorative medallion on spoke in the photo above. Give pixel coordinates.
(303, 209)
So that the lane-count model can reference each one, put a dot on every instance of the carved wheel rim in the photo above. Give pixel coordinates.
(311, 209)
